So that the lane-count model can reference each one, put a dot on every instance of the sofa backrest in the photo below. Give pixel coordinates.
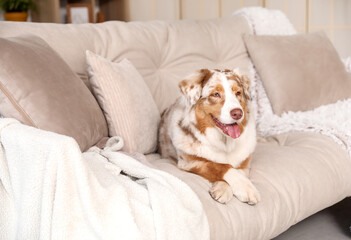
(163, 52)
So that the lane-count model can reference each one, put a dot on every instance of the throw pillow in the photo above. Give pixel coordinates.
(39, 89)
(128, 105)
(299, 72)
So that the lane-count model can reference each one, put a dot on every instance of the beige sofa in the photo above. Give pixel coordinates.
(297, 173)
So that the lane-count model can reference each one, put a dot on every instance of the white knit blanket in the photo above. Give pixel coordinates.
(333, 120)
(50, 190)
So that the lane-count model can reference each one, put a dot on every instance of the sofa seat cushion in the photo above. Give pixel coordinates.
(163, 52)
(297, 174)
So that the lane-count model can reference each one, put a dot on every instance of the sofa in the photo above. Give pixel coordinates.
(298, 172)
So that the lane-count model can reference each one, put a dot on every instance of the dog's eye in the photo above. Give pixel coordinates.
(238, 93)
(216, 95)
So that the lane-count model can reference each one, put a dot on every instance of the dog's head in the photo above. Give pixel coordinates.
(219, 98)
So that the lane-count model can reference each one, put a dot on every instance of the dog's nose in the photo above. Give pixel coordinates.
(236, 113)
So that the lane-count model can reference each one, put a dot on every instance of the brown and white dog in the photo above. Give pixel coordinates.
(210, 131)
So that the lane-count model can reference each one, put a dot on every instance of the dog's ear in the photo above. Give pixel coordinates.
(191, 86)
(245, 82)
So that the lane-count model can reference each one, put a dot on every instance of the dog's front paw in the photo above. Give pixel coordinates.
(247, 193)
(221, 192)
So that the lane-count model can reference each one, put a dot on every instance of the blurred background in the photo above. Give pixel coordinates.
(331, 16)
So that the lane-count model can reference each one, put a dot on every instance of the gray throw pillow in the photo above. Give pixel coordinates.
(299, 72)
(39, 89)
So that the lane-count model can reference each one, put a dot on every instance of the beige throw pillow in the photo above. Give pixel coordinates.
(127, 103)
(39, 89)
(299, 72)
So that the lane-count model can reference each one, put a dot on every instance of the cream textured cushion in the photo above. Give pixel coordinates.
(126, 101)
(164, 53)
(39, 89)
(299, 72)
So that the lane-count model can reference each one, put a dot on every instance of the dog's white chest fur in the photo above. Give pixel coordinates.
(223, 149)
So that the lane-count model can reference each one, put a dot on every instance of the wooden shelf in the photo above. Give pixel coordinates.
(114, 9)
(49, 10)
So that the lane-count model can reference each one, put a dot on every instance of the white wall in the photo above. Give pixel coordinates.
(331, 16)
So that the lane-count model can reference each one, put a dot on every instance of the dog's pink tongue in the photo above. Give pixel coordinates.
(233, 131)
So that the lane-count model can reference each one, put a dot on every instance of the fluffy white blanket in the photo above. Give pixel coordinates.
(50, 190)
(333, 120)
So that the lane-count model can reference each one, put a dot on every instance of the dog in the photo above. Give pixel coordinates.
(210, 131)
